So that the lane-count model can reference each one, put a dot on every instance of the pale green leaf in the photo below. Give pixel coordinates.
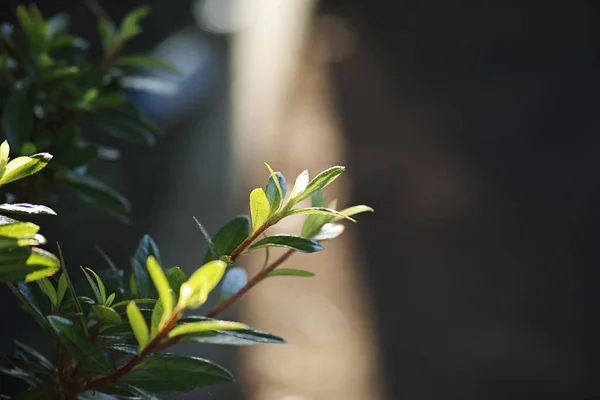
(259, 208)
(204, 326)
(4, 152)
(26, 208)
(21, 167)
(347, 212)
(138, 325)
(195, 291)
(299, 187)
(320, 181)
(319, 211)
(162, 286)
(329, 231)
(291, 272)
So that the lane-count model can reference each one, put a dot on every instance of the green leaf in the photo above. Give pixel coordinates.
(195, 291)
(229, 237)
(17, 118)
(94, 395)
(138, 325)
(98, 193)
(78, 345)
(291, 272)
(245, 337)
(235, 279)
(39, 264)
(106, 314)
(297, 243)
(320, 181)
(107, 32)
(49, 291)
(176, 278)
(125, 128)
(4, 152)
(144, 61)
(259, 208)
(21, 167)
(275, 190)
(170, 373)
(63, 285)
(74, 296)
(93, 286)
(162, 286)
(347, 212)
(136, 301)
(204, 326)
(320, 211)
(110, 299)
(130, 25)
(122, 348)
(26, 208)
(329, 231)
(211, 246)
(156, 318)
(39, 357)
(299, 187)
(146, 248)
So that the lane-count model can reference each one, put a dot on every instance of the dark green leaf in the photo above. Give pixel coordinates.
(144, 61)
(130, 26)
(176, 278)
(125, 128)
(229, 237)
(49, 291)
(275, 189)
(170, 373)
(291, 272)
(17, 118)
(146, 248)
(36, 355)
(99, 193)
(211, 246)
(122, 348)
(106, 314)
(78, 345)
(93, 286)
(298, 243)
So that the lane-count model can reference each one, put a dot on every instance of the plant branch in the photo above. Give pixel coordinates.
(248, 241)
(250, 284)
(134, 361)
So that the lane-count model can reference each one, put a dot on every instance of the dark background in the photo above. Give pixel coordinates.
(472, 129)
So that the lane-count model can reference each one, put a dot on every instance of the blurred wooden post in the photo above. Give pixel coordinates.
(283, 115)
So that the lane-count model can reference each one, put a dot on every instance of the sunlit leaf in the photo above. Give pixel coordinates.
(203, 326)
(162, 286)
(176, 278)
(347, 212)
(320, 181)
(299, 187)
(21, 167)
(138, 325)
(321, 211)
(259, 208)
(195, 291)
(26, 208)
(291, 272)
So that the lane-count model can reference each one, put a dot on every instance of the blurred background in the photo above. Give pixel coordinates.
(471, 127)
